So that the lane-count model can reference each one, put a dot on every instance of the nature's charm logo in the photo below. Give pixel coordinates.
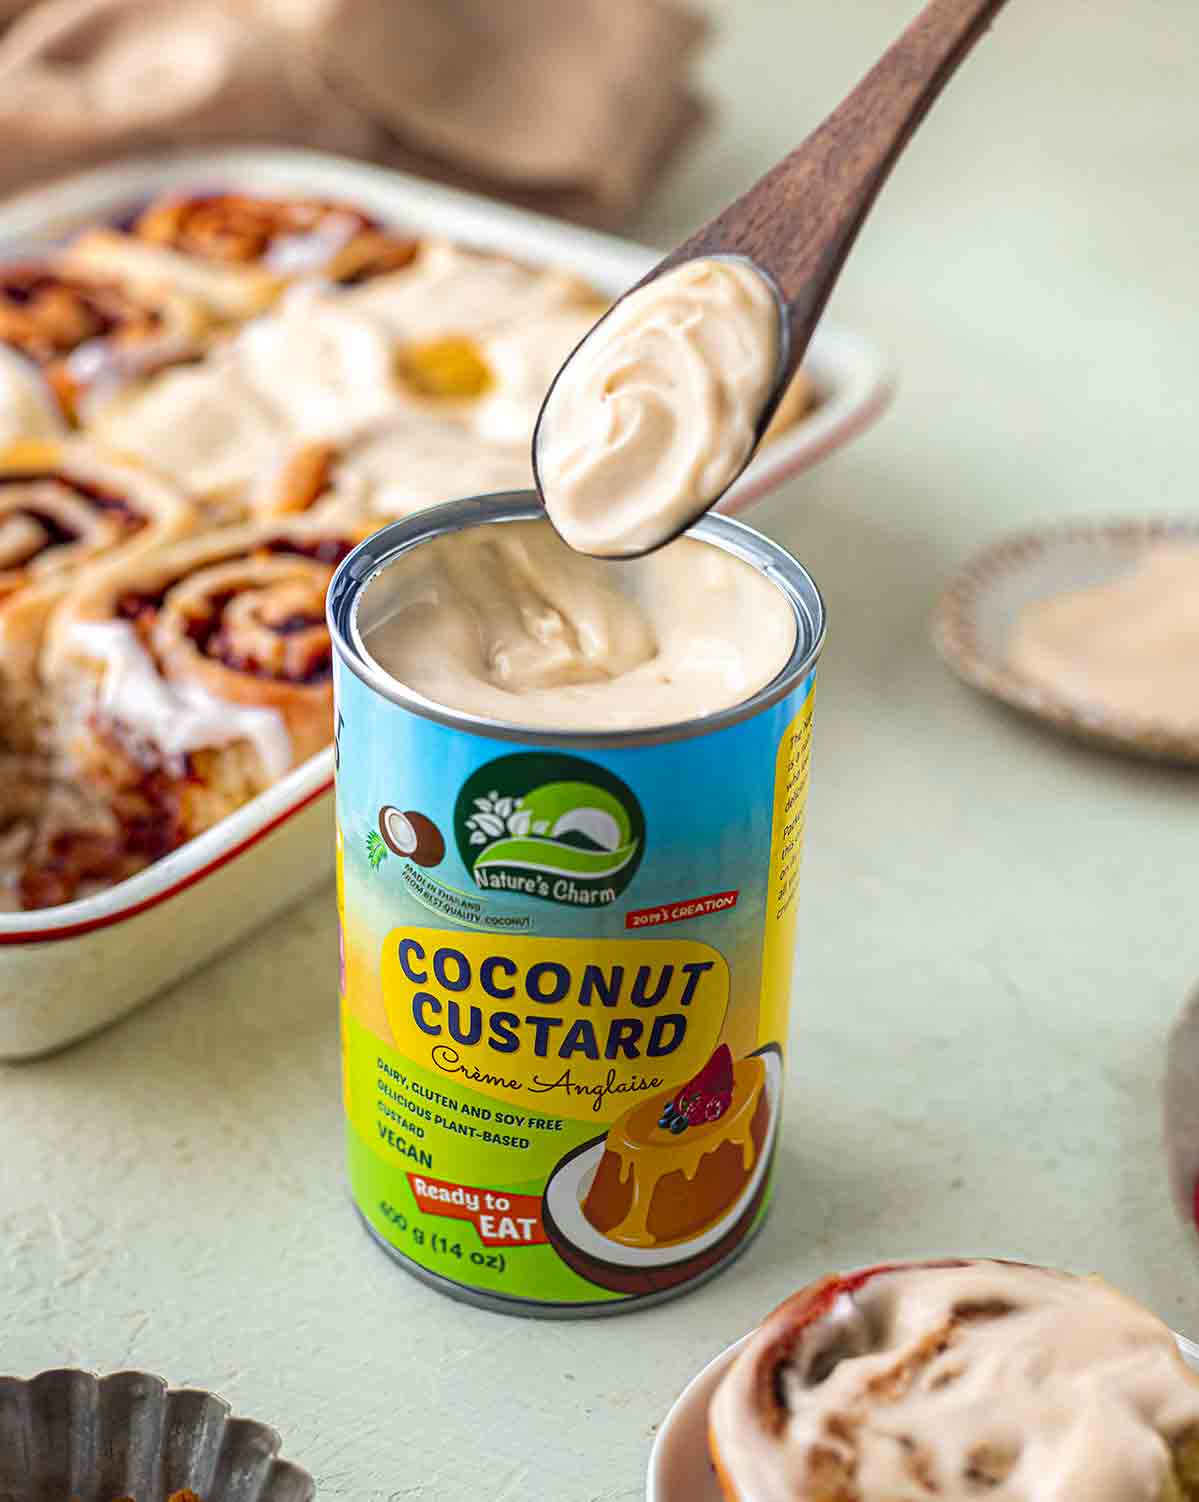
(549, 826)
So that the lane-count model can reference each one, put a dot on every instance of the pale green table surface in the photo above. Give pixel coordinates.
(996, 927)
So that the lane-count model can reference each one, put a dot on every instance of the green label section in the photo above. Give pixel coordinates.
(453, 1178)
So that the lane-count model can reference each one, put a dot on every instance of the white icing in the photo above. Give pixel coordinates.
(308, 371)
(322, 366)
(523, 361)
(419, 460)
(657, 412)
(308, 250)
(448, 291)
(175, 715)
(27, 409)
(204, 425)
(326, 370)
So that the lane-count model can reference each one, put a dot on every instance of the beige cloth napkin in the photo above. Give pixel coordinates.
(573, 106)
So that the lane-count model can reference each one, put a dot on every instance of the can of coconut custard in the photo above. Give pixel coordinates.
(566, 959)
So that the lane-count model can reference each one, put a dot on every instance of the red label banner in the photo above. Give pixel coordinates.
(676, 912)
(500, 1219)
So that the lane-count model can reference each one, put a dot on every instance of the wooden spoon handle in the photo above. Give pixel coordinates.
(800, 220)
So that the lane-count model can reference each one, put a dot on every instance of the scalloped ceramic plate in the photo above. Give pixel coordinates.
(67, 1435)
(974, 619)
(679, 1469)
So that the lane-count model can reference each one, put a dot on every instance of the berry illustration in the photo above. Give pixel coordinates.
(705, 1097)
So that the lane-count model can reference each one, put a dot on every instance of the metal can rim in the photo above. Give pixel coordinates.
(385, 547)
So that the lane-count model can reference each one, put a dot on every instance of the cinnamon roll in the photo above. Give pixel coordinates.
(87, 334)
(407, 464)
(235, 252)
(447, 288)
(62, 507)
(183, 682)
(478, 338)
(308, 371)
(953, 1380)
(456, 337)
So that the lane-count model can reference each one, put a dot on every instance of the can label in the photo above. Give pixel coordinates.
(565, 991)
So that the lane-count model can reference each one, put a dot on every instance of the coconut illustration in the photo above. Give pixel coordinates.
(412, 835)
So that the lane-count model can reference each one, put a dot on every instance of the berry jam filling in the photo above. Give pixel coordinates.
(330, 550)
(148, 818)
(313, 666)
(305, 663)
(139, 606)
(234, 228)
(54, 533)
(705, 1097)
(47, 315)
(292, 624)
(102, 500)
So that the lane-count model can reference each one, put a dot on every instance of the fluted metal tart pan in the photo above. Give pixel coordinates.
(69, 1436)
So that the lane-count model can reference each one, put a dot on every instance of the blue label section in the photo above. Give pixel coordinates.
(571, 852)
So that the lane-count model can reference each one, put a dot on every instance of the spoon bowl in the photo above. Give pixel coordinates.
(784, 373)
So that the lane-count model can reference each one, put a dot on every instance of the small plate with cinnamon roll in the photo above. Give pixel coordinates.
(218, 373)
(952, 1378)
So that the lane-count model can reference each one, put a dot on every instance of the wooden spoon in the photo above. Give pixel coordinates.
(799, 222)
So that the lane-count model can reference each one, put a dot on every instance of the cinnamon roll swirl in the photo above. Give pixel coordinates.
(183, 682)
(87, 334)
(235, 252)
(64, 506)
(953, 1380)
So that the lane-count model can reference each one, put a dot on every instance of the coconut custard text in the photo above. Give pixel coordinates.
(557, 1033)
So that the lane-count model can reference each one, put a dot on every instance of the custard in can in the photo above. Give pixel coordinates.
(566, 959)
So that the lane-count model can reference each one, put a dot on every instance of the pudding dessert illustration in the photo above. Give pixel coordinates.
(674, 1164)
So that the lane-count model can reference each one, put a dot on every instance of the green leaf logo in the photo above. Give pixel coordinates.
(548, 826)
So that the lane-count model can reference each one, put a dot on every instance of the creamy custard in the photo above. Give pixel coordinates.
(1129, 648)
(658, 410)
(509, 623)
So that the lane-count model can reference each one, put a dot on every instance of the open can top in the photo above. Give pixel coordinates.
(354, 607)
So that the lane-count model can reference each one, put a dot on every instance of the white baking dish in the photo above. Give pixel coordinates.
(66, 971)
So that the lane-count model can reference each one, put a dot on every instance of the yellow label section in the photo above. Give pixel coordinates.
(576, 1027)
(782, 894)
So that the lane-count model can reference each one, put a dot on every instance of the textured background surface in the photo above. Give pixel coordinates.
(995, 927)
